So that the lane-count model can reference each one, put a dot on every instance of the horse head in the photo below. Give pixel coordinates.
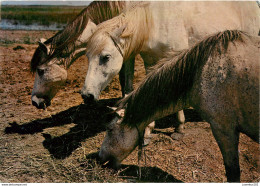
(49, 76)
(119, 142)
(105, 57)
(51, 66)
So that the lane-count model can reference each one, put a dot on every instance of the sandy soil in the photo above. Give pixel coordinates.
(58, 145)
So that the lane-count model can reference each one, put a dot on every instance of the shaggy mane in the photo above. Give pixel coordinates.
(173, 77)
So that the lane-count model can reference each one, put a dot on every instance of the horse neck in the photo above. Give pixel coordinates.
(138, 29)
(74, 56)
(161, 113)
(77, 48)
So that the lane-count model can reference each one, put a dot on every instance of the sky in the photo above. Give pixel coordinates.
(46, 2)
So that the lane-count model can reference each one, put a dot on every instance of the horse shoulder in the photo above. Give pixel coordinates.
(246, 95)
(227, 91)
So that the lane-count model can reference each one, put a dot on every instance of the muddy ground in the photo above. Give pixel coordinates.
(58, 144)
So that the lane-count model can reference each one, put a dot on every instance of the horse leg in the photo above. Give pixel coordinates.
(228, 139)
(147, 133)
(181, 120)
(122, 79)
(179, 129)
(126, 76)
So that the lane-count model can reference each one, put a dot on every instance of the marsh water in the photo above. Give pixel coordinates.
(7, 24)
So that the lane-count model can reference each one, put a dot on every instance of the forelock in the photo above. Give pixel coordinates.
(37, 59)
(96, 43)
(98, 40)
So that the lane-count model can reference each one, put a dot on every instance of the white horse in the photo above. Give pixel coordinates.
(219, 78)
(151, 29)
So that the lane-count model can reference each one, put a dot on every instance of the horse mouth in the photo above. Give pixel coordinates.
(112, 164)
(40, 103)
(89, 99)
(109, 162)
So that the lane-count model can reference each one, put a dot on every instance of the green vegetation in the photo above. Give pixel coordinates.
(44, 15)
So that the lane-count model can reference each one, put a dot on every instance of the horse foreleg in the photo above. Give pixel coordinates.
(181, 120)
(122, 79)
(179, 129)
(126, 76)
(147, 133)
(228, 139)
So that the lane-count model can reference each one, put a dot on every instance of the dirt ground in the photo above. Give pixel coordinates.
(58, 144)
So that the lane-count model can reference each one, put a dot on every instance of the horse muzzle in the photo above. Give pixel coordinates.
(88, 98)
(40, 103)
(108, 161)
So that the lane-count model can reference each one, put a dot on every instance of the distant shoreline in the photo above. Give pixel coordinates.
(46, 3)
(37, 17)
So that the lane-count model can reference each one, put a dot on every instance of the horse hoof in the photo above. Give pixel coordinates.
(177, 136)
(148, 139)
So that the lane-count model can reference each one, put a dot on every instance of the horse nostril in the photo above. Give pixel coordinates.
(88, 98)
(40, 103)
(91, 97)
(34, 104)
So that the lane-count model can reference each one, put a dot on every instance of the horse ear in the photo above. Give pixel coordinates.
(115, 120)
(92, 26)
(118, 32)
(121, 112)
(42, 40)
(44, 48)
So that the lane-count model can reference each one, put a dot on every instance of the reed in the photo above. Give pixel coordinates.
(44, 15)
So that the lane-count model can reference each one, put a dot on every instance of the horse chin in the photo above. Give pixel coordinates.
(114, 164)
(109, 161)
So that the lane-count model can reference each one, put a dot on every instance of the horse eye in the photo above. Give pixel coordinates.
(104, 59)
(40, 72)
(109, 128)
(61, 61)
